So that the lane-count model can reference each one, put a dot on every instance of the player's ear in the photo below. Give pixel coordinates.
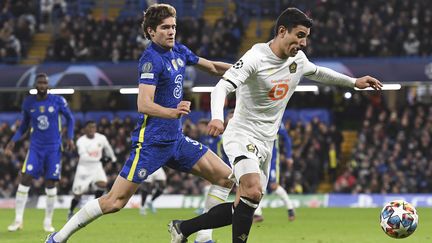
(282, 31)
(150, 31)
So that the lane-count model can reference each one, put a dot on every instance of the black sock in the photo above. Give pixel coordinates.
(73, 205)
(242, 221)
(143, 197)
(156, 194)
(99, 193)
(218, 216)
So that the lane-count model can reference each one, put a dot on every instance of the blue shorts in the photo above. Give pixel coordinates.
(274, 167)
(146, 158)
(43, 161)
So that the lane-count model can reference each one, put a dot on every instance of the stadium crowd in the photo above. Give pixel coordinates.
(310, 143)
(393, 153)
(368, 30)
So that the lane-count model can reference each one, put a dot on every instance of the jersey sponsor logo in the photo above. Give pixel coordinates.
(51, 109)
(293, 67)
(43, 122)
(178, 90)
(174, 63)
(147, 75)
(180, 62)
(279, 91)
(142, 173)
(238, 64)
(41, 109)
(147, 67)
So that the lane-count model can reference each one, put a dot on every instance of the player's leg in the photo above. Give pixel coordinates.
(145, 188)
(159, 186)
(81, 184)
(99, 180)
(20, 202)
(112, 202)
(31, 169)
(248, 197)
(282, 194)
(100, 188)
(209, 166)
(51, 196)
(143, 160)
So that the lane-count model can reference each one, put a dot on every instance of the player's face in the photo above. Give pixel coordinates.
(42, 86)
(295, 40)
(90, 130)
(164, 35)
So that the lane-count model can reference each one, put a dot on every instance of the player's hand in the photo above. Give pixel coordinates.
(183, 108)
(9, 148)
(368, 81)
(215, 127)
(70, 146)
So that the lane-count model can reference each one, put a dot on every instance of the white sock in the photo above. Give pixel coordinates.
(51, 195)
(284, 196)
(20, 202)
(216, 195)
(84, 216)
(258, 210)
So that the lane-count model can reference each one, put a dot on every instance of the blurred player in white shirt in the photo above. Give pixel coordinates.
(264, 80)
(153, 185)
(93, 148)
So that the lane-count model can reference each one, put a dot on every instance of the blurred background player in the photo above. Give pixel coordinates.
(93, 147)
(273, 185)
(153, 185)
(41, 113)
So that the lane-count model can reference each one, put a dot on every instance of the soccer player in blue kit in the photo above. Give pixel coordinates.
(42, 113)
(158, 140)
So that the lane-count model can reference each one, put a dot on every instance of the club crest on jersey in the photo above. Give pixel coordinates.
(142, 173)
(51, 109)
(180, 62)
(251, 148)
(293, 67)
(147, 67)
(174, 63)
(41, 109)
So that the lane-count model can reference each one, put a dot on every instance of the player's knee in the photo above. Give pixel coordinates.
(252, 191)
(224, 182)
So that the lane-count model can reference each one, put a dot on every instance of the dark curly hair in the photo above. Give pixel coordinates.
(154, 15)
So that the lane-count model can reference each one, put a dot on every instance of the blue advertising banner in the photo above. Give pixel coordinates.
(377, 200)
(109, 75)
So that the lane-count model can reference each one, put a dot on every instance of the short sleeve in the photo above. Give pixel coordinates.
(191, 58)
(246, 66)
(150, 68)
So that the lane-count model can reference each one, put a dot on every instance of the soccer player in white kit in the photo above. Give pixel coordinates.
(156, 181)
(264, 80)
(90, 174)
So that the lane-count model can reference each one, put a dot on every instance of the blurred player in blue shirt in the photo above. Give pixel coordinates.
(273, 185)
(41, 113)
(158, 139)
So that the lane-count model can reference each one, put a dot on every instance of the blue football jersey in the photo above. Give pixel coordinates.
(164, 69)
(43, 117)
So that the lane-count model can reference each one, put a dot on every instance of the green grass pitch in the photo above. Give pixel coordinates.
(319, 225)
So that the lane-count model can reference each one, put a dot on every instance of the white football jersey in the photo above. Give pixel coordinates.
(90, 150)
(264, 83)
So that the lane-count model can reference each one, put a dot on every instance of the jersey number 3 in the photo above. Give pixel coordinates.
(278, 92)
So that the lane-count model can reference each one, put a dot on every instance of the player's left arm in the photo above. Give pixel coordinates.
(109, 151)
(64, 109)
(213, 67)
(329, 76)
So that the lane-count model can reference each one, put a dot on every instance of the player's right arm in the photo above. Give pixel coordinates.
(234, 77)
(21, 130)
(147, 106)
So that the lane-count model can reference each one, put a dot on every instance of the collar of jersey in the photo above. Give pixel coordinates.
(158, 48)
